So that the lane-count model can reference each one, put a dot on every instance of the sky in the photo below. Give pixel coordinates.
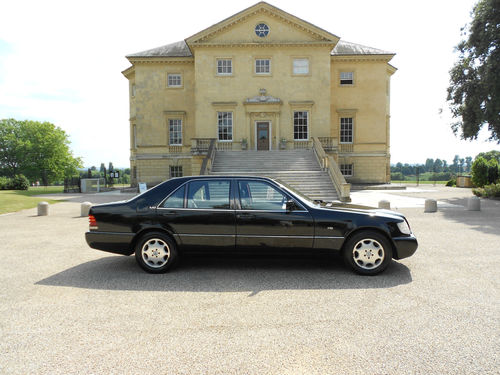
(61, 61)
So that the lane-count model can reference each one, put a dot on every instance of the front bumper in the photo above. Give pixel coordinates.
(405, 246)
(112, 242)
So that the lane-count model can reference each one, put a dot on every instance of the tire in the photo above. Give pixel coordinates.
(368, 253)
(156, 252)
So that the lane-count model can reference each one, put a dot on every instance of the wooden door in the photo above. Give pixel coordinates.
(263, 135)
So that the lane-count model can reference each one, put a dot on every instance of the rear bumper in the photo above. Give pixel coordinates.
(112, 242)
(405, 246)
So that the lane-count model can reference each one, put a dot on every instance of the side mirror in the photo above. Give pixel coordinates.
(290, 205)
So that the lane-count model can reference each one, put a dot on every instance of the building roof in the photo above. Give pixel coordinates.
(344, 48)
(177, 49)
(181, 49)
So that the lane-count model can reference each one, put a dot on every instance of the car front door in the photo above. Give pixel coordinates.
(200, 214)
(263, 221)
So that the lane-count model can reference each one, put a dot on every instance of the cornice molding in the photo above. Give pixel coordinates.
(162, 60)
(301, 103)
(224, 104)
(362, 58)
(243, 44)
(129, 71)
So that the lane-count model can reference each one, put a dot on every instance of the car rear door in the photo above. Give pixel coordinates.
(201, 215)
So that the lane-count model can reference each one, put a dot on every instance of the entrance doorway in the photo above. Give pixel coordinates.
(262, 135)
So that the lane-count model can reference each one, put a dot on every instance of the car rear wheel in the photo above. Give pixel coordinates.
(368, 253)
(156, 252)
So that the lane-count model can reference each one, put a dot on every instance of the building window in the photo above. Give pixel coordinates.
(346, 169)
(224, 66)
(262, 66)
(346, 78)
(175, 171)
(134, 136)
(346, 130)
(132, 91)
(174, 80)
(300, 125)
(300, 66)
(225, 126)
(262, 30)
(175, 132)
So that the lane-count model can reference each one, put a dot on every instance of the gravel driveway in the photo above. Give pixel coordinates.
(68, 309)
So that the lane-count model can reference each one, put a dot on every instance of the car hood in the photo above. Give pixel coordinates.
(364, 210)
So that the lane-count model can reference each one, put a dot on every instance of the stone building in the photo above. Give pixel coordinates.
(261, 79)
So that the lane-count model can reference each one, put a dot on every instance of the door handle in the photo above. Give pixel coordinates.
(168, 213)
(245, 216)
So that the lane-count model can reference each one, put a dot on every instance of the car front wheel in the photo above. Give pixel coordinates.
(155, 252)
(368, 253)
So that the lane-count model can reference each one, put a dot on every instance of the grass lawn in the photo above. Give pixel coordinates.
(420, 182)
(16, 200)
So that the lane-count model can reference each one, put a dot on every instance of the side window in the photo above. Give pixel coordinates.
(258, 195)
(209, 194)
(176, 200)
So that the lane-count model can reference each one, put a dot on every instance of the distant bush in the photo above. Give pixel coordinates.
(19, 182)
(488, 191)
(493, 171)
(443, 176)
(4, 183)
(397, 176)
(479, 172)
(452, 182)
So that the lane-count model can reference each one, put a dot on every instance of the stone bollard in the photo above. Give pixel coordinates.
(43, 209)
(386, 205)
(430, 205)
(474, 204)
(85, 208)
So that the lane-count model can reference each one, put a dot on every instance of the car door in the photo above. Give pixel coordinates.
(263, 221)
(200, 215)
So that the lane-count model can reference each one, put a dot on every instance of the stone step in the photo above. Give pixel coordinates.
(297, 168)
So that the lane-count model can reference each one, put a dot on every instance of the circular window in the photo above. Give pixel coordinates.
(262, 30)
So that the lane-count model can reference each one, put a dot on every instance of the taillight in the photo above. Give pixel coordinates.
(92, 222)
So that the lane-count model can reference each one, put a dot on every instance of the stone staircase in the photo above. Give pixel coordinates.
(298, 168)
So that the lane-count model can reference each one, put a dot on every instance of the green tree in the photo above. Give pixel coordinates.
(492, 171)
(429, 165)
(493, 154)
(479, 172)
(39, 150)
(474, 91)
(438, 165)
(468, 163)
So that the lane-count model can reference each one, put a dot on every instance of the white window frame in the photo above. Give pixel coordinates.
(228, 125)
(346, 77)
(258, 62)
(344, 124)
(306, 118)
(175, 131)
(175, 171)
(295, 69)
(347, 170)
(174, 80)
(224, 67)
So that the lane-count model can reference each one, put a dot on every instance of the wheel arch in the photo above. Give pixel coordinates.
(378, 230)
(145, 231)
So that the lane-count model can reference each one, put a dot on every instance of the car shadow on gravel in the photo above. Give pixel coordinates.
(226, 274)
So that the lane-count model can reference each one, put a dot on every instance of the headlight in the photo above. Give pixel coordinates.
(403, 227)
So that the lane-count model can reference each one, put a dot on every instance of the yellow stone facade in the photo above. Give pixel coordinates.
(293, 68)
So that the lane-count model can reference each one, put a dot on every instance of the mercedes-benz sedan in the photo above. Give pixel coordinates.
(244, 215)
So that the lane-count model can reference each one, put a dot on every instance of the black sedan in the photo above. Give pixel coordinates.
(244, 214)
